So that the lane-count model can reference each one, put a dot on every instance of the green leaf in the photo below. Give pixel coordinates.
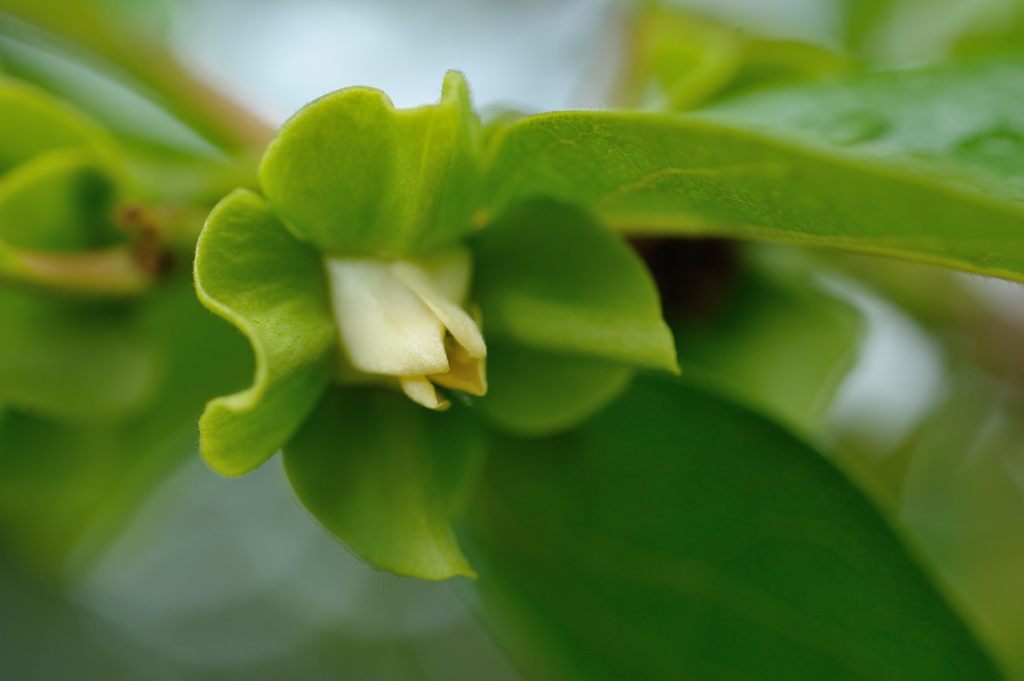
(778, 342)
(532, 392)
(650, 173)
(65, 359)
(115, 42)
(862, 18)
(67, 488)
(962, 121)
(73, 360)
(955, 484)
(58, 186)
(683, 58)
(353, 176)
(678, 535)
(550, 278)
(254, 274)
(56, 230)
(679, 60)
(386, 477)
(58, 201)
(32, 122)
(912, 32)
(771, 63)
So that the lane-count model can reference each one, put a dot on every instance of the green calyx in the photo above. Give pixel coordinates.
(354, 280)
(353, 176)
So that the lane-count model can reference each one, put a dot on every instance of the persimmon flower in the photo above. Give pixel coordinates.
(406, 320)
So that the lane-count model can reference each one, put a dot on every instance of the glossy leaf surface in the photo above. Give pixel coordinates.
(678, 536)
(960, 120)
(651, 173)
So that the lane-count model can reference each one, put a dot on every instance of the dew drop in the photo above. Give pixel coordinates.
(1001, 146)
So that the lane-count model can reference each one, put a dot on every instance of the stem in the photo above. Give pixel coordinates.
(217, 117)
(116, 271)
(162, 231)
(143, 60)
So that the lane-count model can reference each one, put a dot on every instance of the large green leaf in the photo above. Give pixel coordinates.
(960, 120)
(251, 271)
(549, 277)
(386, 477)
(651, 173)
(676, 536)
(354, 176)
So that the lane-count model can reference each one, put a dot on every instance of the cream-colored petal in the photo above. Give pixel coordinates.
(442, 283)
(420, 390)
(383, 327)
(467, 373)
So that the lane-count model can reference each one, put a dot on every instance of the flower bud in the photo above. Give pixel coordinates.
(405, 320)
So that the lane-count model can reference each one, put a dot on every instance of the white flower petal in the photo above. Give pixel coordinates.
(442, 283)
(384, 328)
(405, 320)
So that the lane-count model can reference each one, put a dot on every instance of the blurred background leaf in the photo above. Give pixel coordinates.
(66, 489)
(679, 61)
(130, 44)
(778, 339)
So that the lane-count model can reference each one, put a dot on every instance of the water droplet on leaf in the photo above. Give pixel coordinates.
(1001, 146)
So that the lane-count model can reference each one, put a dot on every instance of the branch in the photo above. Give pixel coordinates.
(117, 271)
